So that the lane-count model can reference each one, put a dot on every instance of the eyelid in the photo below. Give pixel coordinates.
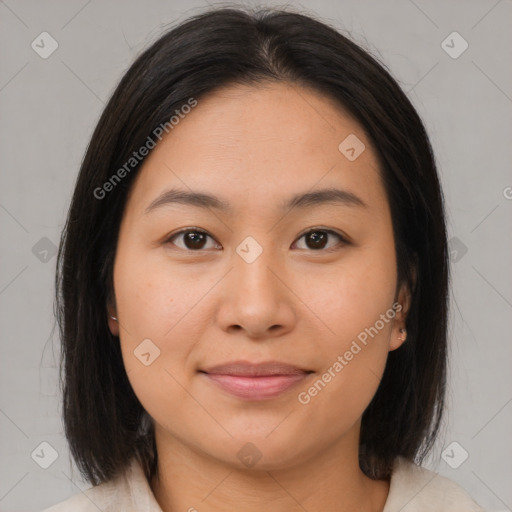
(344, 240)
(326, 230)
(192, 229)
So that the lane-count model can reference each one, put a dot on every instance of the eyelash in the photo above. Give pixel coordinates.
(343, 240)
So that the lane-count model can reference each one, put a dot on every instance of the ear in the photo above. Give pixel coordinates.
(112, 324)
(401, 306)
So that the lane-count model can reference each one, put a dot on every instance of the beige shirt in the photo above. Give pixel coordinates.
(412, 489)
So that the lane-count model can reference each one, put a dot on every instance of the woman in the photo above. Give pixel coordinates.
(252, 281)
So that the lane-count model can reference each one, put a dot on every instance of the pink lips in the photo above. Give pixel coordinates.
(255, 381)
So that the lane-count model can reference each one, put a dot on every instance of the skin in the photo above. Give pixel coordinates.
(255, 147)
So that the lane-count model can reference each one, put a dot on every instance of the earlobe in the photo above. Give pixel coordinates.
(398, 340)
(399, 331)
(113, 322)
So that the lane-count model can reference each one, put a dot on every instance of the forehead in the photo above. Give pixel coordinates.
(254, 145)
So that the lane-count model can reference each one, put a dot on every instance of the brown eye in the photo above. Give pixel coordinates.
(318, 239)
(192, 239)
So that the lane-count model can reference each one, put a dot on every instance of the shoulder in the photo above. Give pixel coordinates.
(101, 497)
(417, 489)
(128, 489)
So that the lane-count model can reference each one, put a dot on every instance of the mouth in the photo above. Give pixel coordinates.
(255, 381)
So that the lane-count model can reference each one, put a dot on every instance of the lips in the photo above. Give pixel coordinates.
(248, 369)
(255, 381)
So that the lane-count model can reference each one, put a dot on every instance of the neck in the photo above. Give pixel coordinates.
(190, 480)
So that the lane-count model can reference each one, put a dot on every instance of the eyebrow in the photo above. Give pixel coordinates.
(305, 200)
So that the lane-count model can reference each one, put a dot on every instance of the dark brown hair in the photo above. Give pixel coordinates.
(105, 424)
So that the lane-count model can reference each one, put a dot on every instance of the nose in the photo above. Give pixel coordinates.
(257, 298)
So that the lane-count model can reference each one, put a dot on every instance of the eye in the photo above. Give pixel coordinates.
(316, 239)
(193, 239)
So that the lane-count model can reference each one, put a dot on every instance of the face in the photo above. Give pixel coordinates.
(309, 284)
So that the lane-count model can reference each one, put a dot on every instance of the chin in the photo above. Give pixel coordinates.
(262, 452)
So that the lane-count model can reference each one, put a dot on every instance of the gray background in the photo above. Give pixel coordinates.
(49, 108)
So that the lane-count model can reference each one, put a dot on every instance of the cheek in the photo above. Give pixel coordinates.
(354, 357)
(152, 297)
(355, 307)
(161, 314)
(353, 294)
(155, 310)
